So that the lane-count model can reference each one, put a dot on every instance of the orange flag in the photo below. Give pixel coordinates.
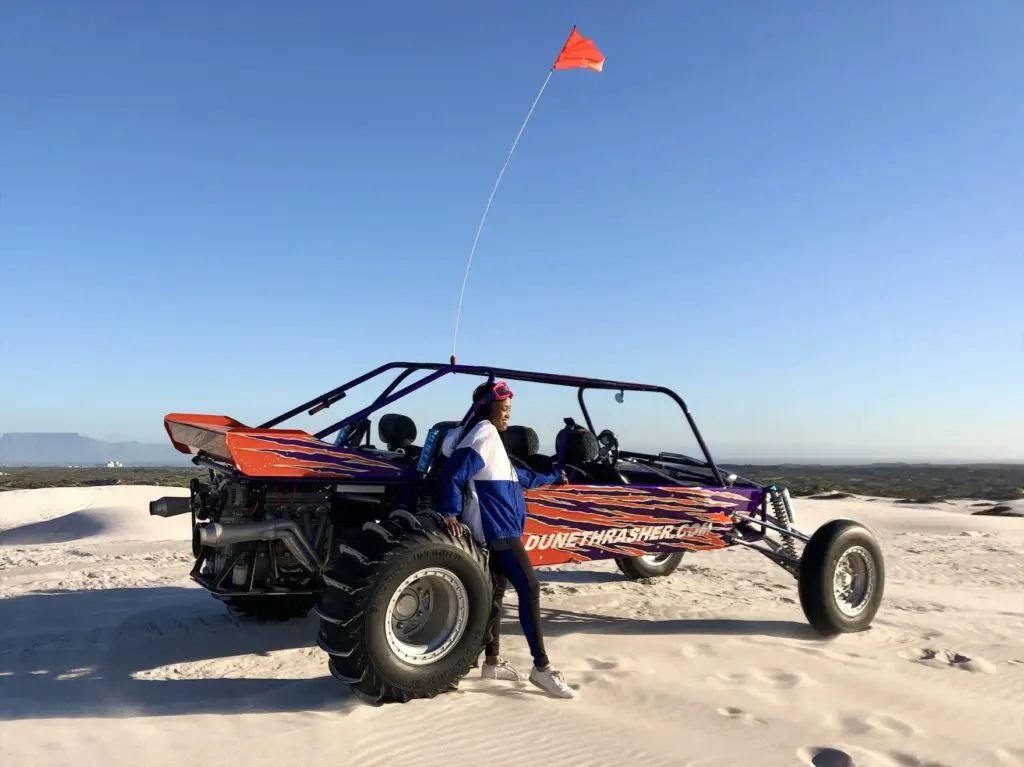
(579, 52)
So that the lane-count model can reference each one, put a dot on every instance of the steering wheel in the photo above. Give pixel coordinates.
(608, 447)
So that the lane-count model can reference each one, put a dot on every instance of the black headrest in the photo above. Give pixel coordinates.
(579, 444)
(520, 441)
(396, 430)
(443, 427)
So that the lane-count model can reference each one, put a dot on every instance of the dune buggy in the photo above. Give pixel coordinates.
(289, 522)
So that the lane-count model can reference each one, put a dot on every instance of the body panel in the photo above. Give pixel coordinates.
(580, 523)
(297, 455)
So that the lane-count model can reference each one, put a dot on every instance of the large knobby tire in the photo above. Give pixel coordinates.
(650, 566)
(842, 578)
(270, 609)
(405, 609)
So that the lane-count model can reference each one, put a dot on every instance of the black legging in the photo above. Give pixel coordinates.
(509, 560)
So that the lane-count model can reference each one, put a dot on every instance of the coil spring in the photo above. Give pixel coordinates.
(784, 518)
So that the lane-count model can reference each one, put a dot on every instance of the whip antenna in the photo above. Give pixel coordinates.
(577, 52)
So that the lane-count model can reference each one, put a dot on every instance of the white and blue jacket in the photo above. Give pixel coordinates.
(480, 483)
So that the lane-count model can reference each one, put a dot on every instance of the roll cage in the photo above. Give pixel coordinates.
(435, 371)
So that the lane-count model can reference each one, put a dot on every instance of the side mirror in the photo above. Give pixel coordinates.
(619, 396)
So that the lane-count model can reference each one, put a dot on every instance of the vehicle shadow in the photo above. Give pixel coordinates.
(155, 652)
(562, 622)
(580, 576)
(167, 651)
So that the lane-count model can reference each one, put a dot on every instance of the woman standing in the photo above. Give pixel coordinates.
(481, 486)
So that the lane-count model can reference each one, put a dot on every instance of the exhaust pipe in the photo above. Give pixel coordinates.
(217, 536)
(169, 506)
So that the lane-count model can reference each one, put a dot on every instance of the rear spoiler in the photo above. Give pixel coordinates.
(280, 453)
(192, 433)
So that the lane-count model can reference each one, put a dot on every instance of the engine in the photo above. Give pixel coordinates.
(260, 537)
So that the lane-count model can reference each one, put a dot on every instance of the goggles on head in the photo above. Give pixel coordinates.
(498, 391)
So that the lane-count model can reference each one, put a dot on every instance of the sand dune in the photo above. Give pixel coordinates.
(109, 655)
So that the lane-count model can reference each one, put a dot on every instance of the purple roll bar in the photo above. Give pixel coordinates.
(439, 370)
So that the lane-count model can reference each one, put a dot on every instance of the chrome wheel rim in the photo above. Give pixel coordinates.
(655, 559)
(853, 582)
(426, 616)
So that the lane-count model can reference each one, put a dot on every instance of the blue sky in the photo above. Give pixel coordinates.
(804, 217)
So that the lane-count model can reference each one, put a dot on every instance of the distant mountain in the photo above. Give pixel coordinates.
(69, 449)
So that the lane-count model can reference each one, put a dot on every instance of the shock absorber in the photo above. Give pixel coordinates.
(782, 507)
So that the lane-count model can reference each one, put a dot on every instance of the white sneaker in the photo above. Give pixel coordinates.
(502, 671)
(552, 682)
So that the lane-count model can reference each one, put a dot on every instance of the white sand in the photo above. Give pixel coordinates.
(109, 655)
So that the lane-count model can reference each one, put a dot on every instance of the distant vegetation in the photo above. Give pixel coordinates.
(33, 477)
(912, 483)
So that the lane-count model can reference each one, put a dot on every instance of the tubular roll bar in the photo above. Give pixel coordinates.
(439, 370)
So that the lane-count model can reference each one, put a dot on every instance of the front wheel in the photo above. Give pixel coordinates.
(649, 566)
(842, 577)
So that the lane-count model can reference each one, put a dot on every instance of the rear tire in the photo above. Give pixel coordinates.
(842, 578)
(651, 566)
(270, 609)
(404, 609)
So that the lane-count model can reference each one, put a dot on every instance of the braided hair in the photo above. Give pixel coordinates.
(481, 413)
